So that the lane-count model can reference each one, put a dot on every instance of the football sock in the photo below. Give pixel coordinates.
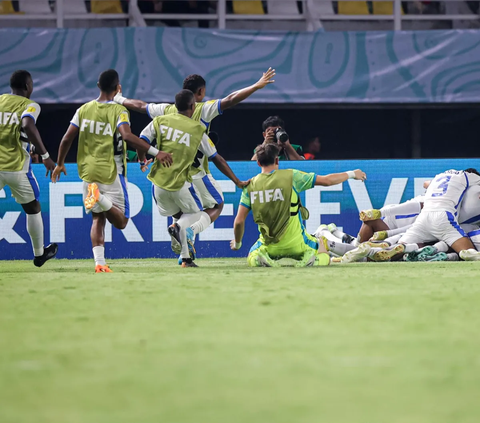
(452, 257)
(441, 247)
(202, 223)
(393, 239)
(174, 220)
(411, 247)
(104, 203)
(339, 247)
(35, 230)
(402, 230)
(99, 255)
(404, 209)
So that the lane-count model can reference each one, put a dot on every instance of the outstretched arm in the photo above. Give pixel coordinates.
(223, 167)
(239, 227)
(238, 96)
(337, 178)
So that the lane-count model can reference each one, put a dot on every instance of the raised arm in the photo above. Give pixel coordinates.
(135, 105)
(337, 178)
(238, 96)
(223, 167)
(28, 125)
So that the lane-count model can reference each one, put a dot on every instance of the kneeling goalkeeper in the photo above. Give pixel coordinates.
(273, 198)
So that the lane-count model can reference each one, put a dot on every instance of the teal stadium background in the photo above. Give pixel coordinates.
(327, 67)
(389, 182)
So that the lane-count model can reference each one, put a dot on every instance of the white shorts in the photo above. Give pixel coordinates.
(23, 185)
(169, 203)
(209, 191)
(117, 193)
(434, 226)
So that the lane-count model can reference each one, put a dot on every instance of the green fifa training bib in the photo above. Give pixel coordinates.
(180, 136)
(99, 142)
(270, 197)
(13, 142)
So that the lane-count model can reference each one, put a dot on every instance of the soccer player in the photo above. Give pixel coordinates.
(210, 192)
(102, 127)
(173, 190)
(273, 198)
(18, 115)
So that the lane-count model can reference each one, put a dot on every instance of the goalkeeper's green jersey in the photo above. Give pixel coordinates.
(182, 137)
(14, 145)
(101, 149)
(204, 113)
(275, 203)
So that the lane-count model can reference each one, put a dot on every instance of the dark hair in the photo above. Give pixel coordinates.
(108, 80)
(193, 83)
(184, 100)
(472, 170)
(272, 121)
(19, 79)
(267, 153)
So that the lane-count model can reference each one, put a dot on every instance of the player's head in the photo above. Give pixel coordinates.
(185, 102)
(108, 81)
(313, 145)
(472, 170)
(196, 84)
(267, 154)
(21, 83)
(273, 122)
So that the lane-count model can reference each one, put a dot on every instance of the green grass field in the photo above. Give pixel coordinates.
(362, 343)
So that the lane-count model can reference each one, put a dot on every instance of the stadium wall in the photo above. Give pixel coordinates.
(389, 182)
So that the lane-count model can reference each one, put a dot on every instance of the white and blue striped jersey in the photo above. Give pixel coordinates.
(447, 189)
(470, 208)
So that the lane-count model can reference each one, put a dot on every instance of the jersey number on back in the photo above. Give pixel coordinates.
(442, 186)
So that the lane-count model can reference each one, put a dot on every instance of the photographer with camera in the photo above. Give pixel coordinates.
(274, 132)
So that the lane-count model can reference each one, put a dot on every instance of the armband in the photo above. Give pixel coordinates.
(153, 151)
(143, 163)
(45, 156)
(351, 174)
(238, 245)
(119, 98)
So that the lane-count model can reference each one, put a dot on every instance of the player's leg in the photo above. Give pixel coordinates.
(211, 197)
(315, 253)
(368, 228)
(97, 235)
(258, 256)
(405, 210)
(332, 243)
(26, 192)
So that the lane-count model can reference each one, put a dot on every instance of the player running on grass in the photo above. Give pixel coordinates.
(209, 190)
(273, 197)
(102, 127)
(18, 115)
(173, 190)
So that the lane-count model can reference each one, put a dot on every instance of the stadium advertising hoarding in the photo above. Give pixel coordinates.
(312, 67)
(389, 182)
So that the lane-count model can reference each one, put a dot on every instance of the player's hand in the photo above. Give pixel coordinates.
(426, 184)
(242, 184)
(144, 166)
(50, 165)
(164, 158)
(360, 175)
(266, 79)
(59, 169)
(234, 245)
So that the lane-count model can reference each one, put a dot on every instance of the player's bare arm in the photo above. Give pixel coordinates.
(239, 227)
(223, 167)
(236, 97)
(337, 178)
(144, 147)
(28, 125)
(131, 104)
(65, 145)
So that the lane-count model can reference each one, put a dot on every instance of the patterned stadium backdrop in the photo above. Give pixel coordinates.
(389, 182)
(355, 67)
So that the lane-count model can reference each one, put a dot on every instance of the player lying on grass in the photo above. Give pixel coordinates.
(273, 197)
(205, 185)
(102, 127)
(18, 116)
(173, 190)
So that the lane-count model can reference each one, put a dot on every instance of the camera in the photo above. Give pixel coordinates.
(281, 135)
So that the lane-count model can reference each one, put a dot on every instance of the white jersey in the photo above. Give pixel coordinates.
(447, 189)
(469, 211)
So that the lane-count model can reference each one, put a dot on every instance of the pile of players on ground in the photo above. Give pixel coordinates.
(442, 225)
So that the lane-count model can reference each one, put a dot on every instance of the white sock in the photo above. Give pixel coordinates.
(174, 220)
(404, 209)
(104, 203)
(393, 239)
(202, 223)
(452, 257)
(402, 230)
(373, 251)
(441, 247)
(411, 247)
(339, 247)
(99, 255)
(35, 230)
(184, 254)
(355, 242)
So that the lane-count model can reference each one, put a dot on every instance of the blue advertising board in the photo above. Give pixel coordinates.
(389, 182)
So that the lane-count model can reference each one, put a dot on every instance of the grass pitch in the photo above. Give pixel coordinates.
(363, 343)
